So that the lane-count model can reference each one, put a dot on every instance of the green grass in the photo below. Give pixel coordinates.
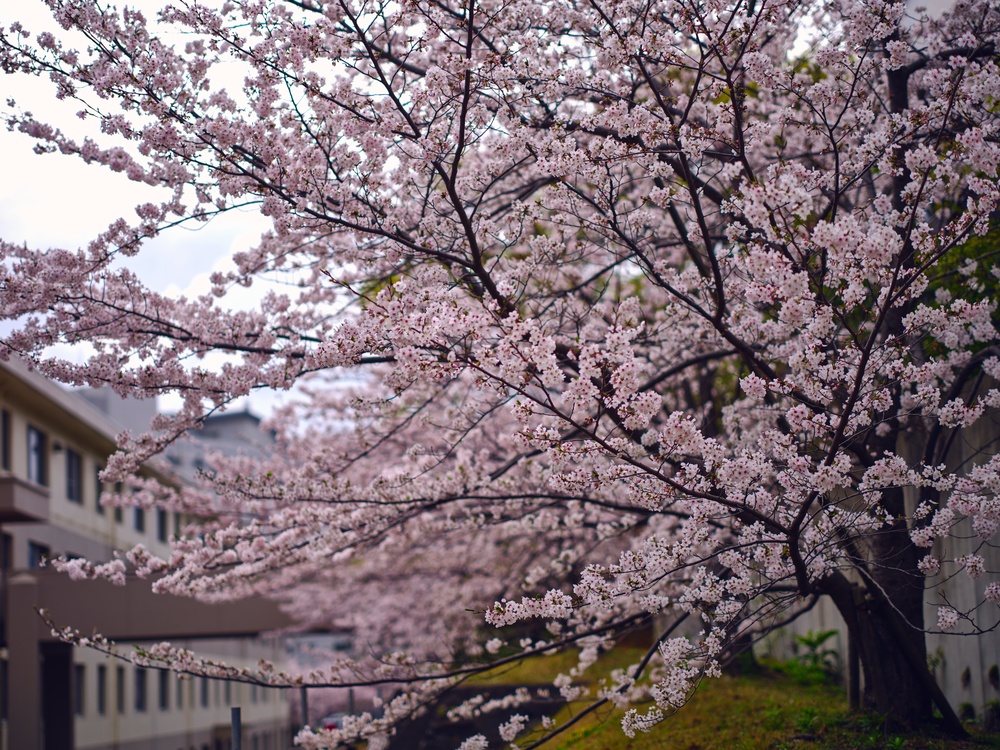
(537, 671)
(542, 670)
(778, 707)
(725, 714)
(768, 710)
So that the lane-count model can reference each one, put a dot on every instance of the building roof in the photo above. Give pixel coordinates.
(29, 386)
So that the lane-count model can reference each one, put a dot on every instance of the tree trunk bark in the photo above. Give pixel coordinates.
(892, 660)
(893, 655)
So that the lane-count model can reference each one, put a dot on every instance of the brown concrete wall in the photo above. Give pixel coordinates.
(134, 612)
(131, 613)
(255, 737)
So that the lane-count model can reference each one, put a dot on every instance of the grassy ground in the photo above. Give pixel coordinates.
(771, 709)
(765, 710)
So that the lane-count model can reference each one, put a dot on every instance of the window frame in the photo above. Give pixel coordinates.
(162, 534)
(37, 552)
(98, 488)
(120, 690)
(74, 476)
(163, 681)
(141, 695)
(79, 689)
(5, 439)
(102, 690)
(6, 551)
(38, 456)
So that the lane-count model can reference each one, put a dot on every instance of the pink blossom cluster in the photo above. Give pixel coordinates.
(596, 320)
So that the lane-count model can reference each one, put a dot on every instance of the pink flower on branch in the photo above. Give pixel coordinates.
(586, 333)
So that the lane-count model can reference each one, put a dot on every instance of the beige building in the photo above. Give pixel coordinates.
(53, 444)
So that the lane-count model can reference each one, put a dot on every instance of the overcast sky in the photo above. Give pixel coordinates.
(53, 200)
(57, 200)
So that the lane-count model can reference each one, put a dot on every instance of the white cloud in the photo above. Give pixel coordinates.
(56, 200)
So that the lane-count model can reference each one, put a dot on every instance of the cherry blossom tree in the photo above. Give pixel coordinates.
(604, 315)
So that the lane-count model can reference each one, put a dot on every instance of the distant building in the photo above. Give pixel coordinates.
(53, 445)
(236, 433)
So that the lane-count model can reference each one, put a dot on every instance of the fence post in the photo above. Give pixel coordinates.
(237, 729)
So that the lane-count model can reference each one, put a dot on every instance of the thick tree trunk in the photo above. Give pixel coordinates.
(891, 685)
(885, 624)
(893, 658)
(891, 625)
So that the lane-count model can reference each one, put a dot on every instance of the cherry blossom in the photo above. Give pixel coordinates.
(599, 317)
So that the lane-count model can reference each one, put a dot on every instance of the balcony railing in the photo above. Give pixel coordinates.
(22, 501)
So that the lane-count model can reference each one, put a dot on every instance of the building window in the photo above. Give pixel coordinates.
(74, 476)
(140, 520)
(6, 551)
(102, 689)
(140, 689)
(5, 439)
(98, 488)
(164, 690)
(204, 692)
(161, 524)
(118, 509)
(120, 690)
(228, 689)
(253, 693)
(38, 448)
(38, 554)
(79, 677)
(180, 693)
